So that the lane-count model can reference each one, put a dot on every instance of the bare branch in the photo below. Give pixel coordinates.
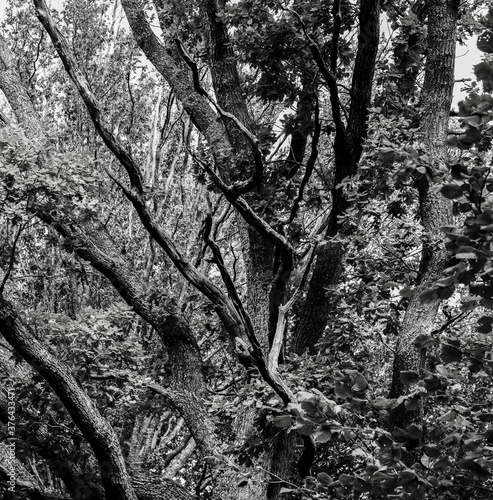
(283, 310)
(310, 164)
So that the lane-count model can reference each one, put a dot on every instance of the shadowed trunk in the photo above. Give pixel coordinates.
(348, 147)
(435, 210)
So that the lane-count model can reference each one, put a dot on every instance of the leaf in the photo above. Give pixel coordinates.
(428, 296)
(432, 450)
(487, 22)
(346, 479)
(484, 328)
(466, 253)
(324, 478)
(284, 490)
(424, 341)
(447, 281)
(450, 354)
(310, 407)
(359, 383)
(451, 191)
(382, 403)
(284, 421)
(342, 390)
(414, 432)
(485, 291)
(446, 293)
(306, 396)
(452, 141)
(432, 383)
(386, 155)
(408, 377)
(360, 485)
(449, 416)
(323, 435)
(406, 292)
(295, 409)
(304, 426)
(412, 404)
(485, 42)
(473, 466)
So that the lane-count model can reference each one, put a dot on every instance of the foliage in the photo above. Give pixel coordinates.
(341, 389)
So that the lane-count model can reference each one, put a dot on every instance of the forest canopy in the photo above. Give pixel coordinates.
(245, 250)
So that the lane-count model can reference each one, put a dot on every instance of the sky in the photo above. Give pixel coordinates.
(466, 58)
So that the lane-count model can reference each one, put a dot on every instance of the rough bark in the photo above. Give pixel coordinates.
(99, 434)
(81, 477)
(435, 211)
(18, 98)
(348, 146)
(81, 482)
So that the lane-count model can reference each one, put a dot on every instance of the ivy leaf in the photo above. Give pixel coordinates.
(406, 292)
(424, 341)
(485, 417)
(304, 426)
(414, 432)
(473, 466)
(428, 296)
(323, 435)
(432, 450)
(360, 485)
(384, 403)
(485, 291)
(284, 490)
(412, 404)
(346, 479)
(466, 252)
(432, 383)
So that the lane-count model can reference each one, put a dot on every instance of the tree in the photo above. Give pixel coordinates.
(206, 303)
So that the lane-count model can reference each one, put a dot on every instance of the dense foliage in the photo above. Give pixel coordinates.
(164, 221)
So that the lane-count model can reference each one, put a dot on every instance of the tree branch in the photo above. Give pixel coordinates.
(86, 416)
(310, 164)
(11, 260)
(88, 97)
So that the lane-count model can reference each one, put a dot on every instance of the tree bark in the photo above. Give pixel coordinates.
(94, 427)
(435, 211)
(81, 478)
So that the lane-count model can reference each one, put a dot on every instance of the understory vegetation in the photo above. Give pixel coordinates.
(246, 250)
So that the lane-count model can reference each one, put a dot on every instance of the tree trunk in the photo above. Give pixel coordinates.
(435, 211)
(94, 427)
(348, 147)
